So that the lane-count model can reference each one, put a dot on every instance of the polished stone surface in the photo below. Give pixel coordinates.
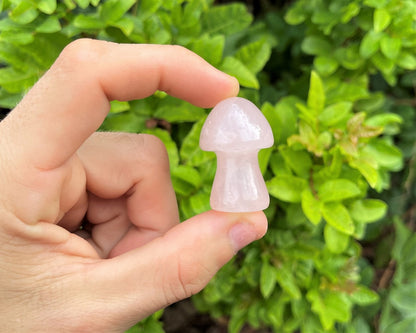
(236, 130)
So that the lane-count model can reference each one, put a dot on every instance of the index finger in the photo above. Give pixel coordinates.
(72, 99)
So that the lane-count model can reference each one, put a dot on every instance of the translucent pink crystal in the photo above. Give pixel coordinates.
(236, 130)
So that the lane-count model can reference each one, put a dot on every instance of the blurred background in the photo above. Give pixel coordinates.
(337, 82)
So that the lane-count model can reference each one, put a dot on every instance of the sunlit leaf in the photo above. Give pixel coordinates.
(254, 55)
(236, 68)
(316, 95)
(337, 189)
(311, 207)
(335, 240)
(287, 188)
(338, 217)
(226, 19)
(47, 6)
(368, 210)
(382, 19)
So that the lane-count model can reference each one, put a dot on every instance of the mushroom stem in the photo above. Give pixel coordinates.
(239, 185)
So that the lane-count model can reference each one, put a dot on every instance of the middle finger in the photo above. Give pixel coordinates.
(134, 167)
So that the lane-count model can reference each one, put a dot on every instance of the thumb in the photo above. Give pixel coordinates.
(174, 266)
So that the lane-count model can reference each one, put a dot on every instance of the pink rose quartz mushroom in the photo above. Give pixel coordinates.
(236, 130)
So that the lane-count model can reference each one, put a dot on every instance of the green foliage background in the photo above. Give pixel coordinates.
(337, 81)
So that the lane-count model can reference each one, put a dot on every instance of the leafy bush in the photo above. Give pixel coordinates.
(335, 80)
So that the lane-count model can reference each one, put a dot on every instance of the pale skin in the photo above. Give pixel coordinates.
(54, 171)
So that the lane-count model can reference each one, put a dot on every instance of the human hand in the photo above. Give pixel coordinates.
(54, 171)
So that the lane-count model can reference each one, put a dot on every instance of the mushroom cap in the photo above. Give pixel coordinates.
(235, 124)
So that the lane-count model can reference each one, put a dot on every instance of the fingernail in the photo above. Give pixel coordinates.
(241, 235)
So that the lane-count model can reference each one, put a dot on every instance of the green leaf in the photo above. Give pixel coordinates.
(287, 188)
(337, 189)
(7, 24)
(325, 65)
(336, 241)
(316, 45)
(402, 326)
(330, 307)
(226, 19)
(335, 114)
(70, 4)
(296, 14)
(385, 154)
(148, 7)
(236, 68)
(367, 210)
(50, 25)
(113, 10)
(25, 12)
(83, 3)
(209, 48)
(390, 46)
(237, 320)
(383, 120)
(350, 11)
(14, 81)
(273, 118)
(124, 122)
(170, 145)
(369, 44)
(47, 6)
(311, 207)
(376, 3)
(190, 152)
(278, 165)
(298, 160)
(264, 158)
(44, 50)
(373, 102)
(178, 113)
(198, 203)
(150, 324)
(308, 115)
(402, 235)
(117, 106)
(254, 55)
(403, 297)
(338, 217)
(368, 168)
(282, 118)
(185, 179)
(364, 296)
(125, 24)
(316, 95)
(156, 33)
(384, 64)
(267, 279)
(409, 260)
(88, 22)
(9, 101)
(407, 60)
(381, 19)
(286, 280)
(19, 38)
(349, 57)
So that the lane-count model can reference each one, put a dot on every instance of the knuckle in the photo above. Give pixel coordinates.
(145, 151)
(81, 52)
(186, 279)
(155, 151)
(179, 49)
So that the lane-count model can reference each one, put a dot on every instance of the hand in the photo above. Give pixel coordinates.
(56, 174)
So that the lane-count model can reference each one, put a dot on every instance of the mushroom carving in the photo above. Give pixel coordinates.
(236, 130)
